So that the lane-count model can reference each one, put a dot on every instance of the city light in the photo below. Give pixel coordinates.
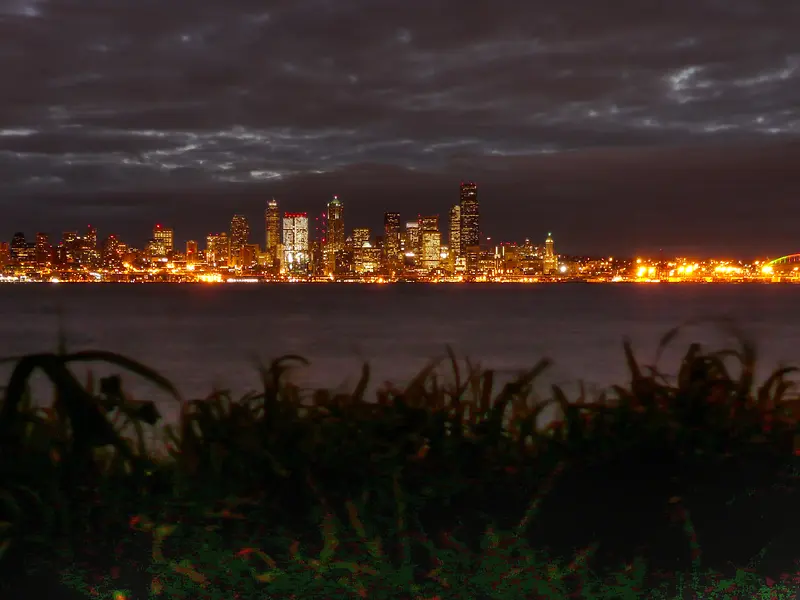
(451, 249)
(210, 278)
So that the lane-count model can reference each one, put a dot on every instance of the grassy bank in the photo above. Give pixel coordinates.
(446, 488)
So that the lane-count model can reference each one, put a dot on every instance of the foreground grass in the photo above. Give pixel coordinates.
(442, 489)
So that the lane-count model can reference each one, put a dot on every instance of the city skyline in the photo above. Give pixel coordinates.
(416, 251)
(631, 129)
(241, 232)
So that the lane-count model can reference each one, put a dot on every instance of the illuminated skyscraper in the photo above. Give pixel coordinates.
(110, 253)
(431, 249)
(550, 257)
(412, 237)
(430, 223)
(240, 235)
(429, 242)
(333, 242)
(470, 216)
(361, 236)
(272, 218)
(72, 248)
(455, 231)
(89, 254)
(295, 242)
(391, 240)
(191, 252)
(43, 250)
(250, 256)
(217, 250)
(164, 239)
(19, 249)
(335, 230)
(90, 239)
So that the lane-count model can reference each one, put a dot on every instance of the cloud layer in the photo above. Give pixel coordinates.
(149, 97)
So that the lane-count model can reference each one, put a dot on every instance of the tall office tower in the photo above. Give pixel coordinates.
(90, 256)
(550, 257)
(470, 216)
(90, 238)
(455, 231)
(164, 239)
(335, 228)
(429, 224)
(72, 251)
(191, 252)
(250, 256)
(272, 222)
(43, 250)
(429, 242)
(412, 241)
(391, 240)
(217, 250)
(110, 253)
(361, 237)
(19, 247)
(240, 234)
(295, 242)
(333, 243)
(431, 249)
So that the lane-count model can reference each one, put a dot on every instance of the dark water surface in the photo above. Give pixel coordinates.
(205, 335)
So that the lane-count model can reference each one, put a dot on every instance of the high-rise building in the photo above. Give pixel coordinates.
(164, 241)
(361, 237)
(391, 240)
(333, 241)
(431, 249)
(412, 237)
(295, 242)
(71, 242)
(90, 239)
(470, 216)
(430, 241)
(111, 253)
(191, 252)
(550, 258)
(43, 250)
(250, 256)
(19, 247)
(272, 218)
(455, 231)
(366, 259)
(89, 252)
(240, 235)
(217, 250)
(429, 224)
(335, 228)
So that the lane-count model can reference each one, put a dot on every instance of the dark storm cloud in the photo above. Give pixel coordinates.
(185, 103)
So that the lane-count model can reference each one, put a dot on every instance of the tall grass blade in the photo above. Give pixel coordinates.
(126, 363)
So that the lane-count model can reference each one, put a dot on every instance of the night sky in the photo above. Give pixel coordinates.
(622, 127)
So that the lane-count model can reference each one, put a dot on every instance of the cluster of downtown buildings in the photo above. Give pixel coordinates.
(416, 250)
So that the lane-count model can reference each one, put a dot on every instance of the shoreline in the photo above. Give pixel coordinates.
(253, 281)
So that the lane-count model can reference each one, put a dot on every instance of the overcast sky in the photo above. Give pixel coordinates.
(622, 127)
